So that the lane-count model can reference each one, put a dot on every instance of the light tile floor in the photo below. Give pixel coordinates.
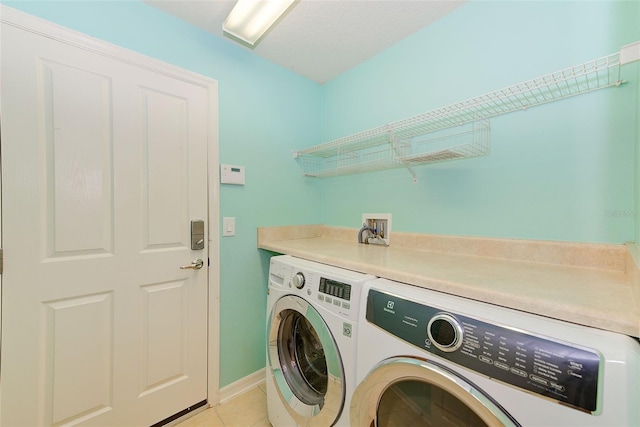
(247, 410)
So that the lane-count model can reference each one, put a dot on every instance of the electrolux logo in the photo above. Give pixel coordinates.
(389, 307)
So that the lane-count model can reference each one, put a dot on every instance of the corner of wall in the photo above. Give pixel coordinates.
(637, 153)
(633, 270)
(636, 177)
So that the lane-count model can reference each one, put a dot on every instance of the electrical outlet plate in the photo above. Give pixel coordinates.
(381, 222)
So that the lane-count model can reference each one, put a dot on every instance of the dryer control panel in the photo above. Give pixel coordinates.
(557, 370)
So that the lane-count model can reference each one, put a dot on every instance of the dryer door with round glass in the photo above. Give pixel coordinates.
(305, 363)
(411, 391)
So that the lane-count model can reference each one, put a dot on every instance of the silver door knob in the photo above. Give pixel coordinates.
(196, 264)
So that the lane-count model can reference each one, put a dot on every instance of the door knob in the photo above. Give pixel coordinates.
(196, 264)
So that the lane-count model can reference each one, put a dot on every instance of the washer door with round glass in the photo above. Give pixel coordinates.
(305, 363)
(405, 391)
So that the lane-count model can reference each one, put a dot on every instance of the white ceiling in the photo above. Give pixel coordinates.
(320, 39)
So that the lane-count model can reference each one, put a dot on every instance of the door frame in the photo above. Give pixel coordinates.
(70, 37)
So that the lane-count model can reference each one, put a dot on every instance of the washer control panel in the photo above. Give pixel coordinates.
(335, 289)
(557, 370)
(326, 287)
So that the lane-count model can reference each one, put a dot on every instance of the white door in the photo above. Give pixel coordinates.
(104, 165)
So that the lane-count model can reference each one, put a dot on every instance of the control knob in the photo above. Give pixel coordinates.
(298, 280)
(445, 332)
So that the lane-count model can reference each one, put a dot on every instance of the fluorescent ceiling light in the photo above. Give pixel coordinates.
(251, 19)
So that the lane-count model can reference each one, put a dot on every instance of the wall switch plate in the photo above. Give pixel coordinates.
(230, 174)
(381, 223)
(228, 226)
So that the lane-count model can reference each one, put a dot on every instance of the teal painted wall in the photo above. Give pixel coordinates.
(555, 172)
(265, 112)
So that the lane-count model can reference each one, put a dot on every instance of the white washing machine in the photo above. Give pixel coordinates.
(431, 359)
(312, 316)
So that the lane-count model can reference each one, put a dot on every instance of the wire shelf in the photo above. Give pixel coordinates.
(393, 145)
(468, 140)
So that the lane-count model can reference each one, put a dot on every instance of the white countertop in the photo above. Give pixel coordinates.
(604, 299)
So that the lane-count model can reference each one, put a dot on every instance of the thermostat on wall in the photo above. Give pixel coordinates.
(230, 174)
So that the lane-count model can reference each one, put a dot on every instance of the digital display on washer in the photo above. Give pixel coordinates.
(558, 371)
(334, 288)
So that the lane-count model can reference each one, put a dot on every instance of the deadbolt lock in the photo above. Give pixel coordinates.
(197, 234)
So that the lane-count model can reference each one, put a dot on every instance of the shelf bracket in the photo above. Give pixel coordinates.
(630, 53)
(396, 149)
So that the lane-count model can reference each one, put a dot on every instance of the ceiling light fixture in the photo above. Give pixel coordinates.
(250, 20)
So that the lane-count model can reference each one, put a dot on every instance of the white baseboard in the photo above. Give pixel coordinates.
(236, 388)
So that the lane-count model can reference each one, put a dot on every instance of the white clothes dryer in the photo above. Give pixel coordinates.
(312, 316)
(427, 358)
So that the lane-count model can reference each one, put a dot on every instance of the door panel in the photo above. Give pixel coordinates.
(80, 355)
(76, 108)
(104, 165)
(164, 335)
(164, 125)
